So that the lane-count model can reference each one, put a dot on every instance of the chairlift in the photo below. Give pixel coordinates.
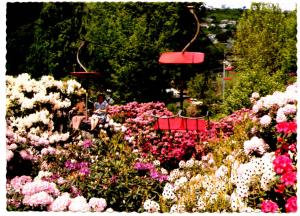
(85, 75)
(179, 122)
(184, 57)
(229, 68)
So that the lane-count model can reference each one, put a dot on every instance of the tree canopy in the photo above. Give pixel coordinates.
(124, 42)
(264, 53)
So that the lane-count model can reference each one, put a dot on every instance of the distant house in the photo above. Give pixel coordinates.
(222, 25)
(231, 22)
(225, 21)
(209, 20)
(211, 36)
(205, 25)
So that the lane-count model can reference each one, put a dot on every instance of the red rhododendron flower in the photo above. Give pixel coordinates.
(292, 147)
(291, 204)
(280, 188)
(289, 178)
(282, 163)
(286, 127)
(269, 206)
(279, 139)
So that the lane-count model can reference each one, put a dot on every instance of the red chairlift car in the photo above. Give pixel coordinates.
(184, 57)
(229, 68)
(179, 122)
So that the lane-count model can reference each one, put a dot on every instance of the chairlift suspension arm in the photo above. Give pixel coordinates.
(191, 9)
(77, 56)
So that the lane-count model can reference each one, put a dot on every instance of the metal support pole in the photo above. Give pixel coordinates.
(223, 76)
(181, 93)
(86, 106)
(223, 81)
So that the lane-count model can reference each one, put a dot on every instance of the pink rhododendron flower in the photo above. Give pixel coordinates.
(291, 204)
(18, 182)
(292, 147)
(40, 198)
(61, 203)
(87, 143)
(269, 206)
(282, 163)
(38, 186)
(289, 178)
(26, 155)
(9, 155)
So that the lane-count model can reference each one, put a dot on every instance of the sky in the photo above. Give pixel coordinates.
(283, 4)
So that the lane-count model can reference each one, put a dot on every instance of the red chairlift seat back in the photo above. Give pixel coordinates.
(181, 124)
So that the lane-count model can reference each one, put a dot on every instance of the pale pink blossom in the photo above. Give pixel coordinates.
(97, 204)
(61, 203)
(18, 182)
(255, 95)
(280, 117)
(9, 155)
(79, 204)
(38, 186)
(40, 198)
(289, 109)
(265, 120)
(12, 146)
(60, 180)
(44, 151)
(26, 154)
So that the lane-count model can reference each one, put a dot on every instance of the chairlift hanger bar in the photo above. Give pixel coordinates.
(85, 73)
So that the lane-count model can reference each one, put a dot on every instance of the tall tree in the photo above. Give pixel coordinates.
(264, 50)
(19, 35)
(129, 38)
(56, 39)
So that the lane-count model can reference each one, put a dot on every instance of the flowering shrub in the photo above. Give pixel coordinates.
(35, 108)
(274, 138)
(253, 171)
(169, 147)
(246, 162)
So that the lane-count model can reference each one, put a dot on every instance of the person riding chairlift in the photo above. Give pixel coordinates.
(79, 109)
(100, 111)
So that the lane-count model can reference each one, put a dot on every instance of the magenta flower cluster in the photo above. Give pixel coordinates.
(82, 167)
(152, 169)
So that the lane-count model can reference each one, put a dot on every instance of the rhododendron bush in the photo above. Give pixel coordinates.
(246, 162)
(168, 146)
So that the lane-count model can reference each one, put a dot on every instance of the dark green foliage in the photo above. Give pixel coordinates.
(19, 34)
(129, 38)
(225, 14)
(56, 35)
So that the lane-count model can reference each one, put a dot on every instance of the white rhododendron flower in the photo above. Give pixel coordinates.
(255, 145)
(79, 204)
(151, 206)
(265, 120)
